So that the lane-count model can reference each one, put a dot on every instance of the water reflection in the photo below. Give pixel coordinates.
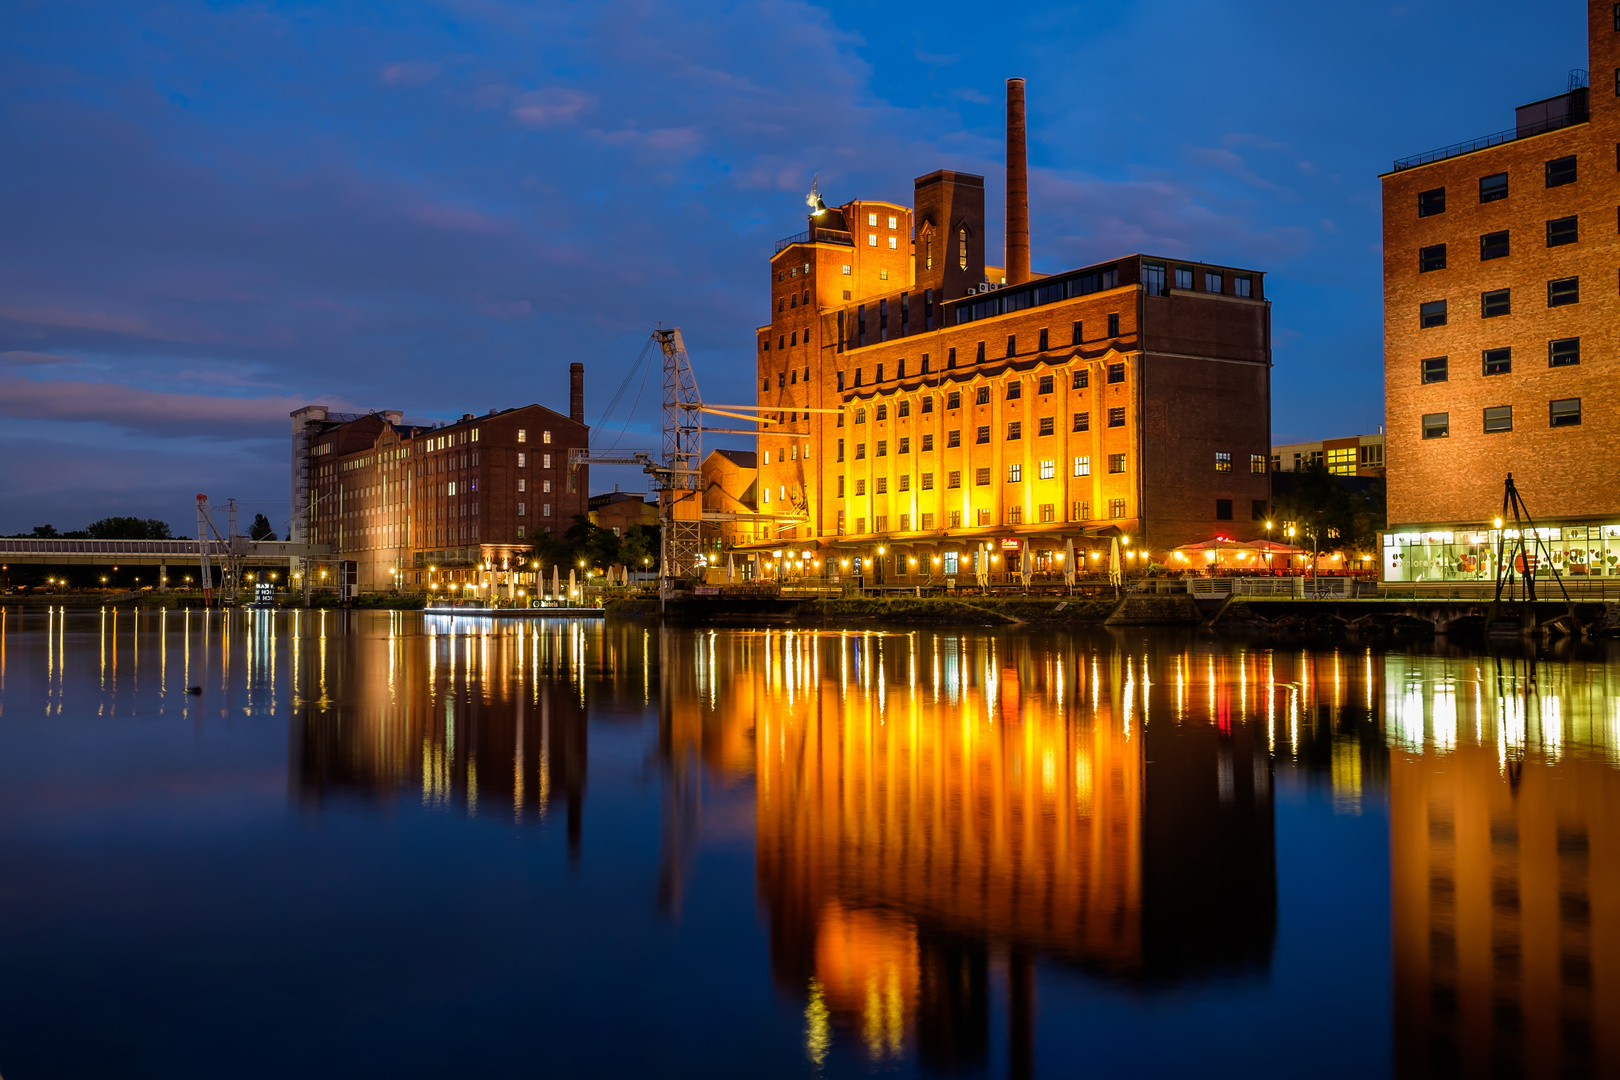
(1505, 859)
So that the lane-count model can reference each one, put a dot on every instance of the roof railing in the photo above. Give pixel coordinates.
(815, 236)
(1522, 131)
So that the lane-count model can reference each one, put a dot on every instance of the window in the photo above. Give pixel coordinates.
(860, 525)
(1045, 340)
(1341, 461)
(523, 460)
(893, 241)
(905, 526)
(982, 396)
(955, 519)
(883, 448)
(950, 359)
(1076, 338)
(1498, 361)
(860, 415)
(927, 523)
(1561, 231)
(927, 402)
(1564, 352)
(545, 437)
(1436, 425)
(1116, 417)
(871, 219)
(1223, 461)
(871, 239)
(1116, 463)
(1498, 418)
(1565, 413)
(981, 516)
(1048, 468)
(1015, 430)
(1434, 369)
(1257, 463)
(1082, 379)
(1184, 275)
(978, 353)
(840, 449)
(847, 271)
(1153, 278)
(1082, 466)
(953, 479)
(860, 487)
(523, 435)
(545, 461)
(1012, 344)
(1493, 187)
(1561, 171)
(1081, 512)
(1431, 202)
(928, 441)
(860, 451)
(1015, 515)
(883, 410)
(1015, 390)
(1223, 509)
(928, 481)
(905, 444)
(1432, 313)
(1244, 284)
(953, 400)
(953, 437)
(841, 479)
(903, 406)
(523, 485)
(882, 485)
(983, 434)
(894, 222)
(1045, 385)
(981, 477)
(522, 510)
(1047, 425)
(1116, 373)
(1113, 325)
(1563, 291)
(880, 523)
(1116, 508)
(1493, 245)
(1015, 473)
(840, 523)
(1494, 303)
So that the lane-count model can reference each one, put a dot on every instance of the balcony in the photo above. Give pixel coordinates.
(815, 236)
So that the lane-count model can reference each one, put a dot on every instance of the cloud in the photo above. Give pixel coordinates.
(23, 358)
(410, 73)
(550, 107)
(1233, 165)
(134, 409)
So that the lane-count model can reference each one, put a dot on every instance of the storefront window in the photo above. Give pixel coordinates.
(1578, 551)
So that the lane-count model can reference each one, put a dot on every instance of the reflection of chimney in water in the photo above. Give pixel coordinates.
(1017, 187)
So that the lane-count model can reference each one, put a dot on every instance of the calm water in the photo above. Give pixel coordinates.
(381, 844)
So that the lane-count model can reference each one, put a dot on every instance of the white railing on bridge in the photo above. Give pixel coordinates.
(1296, 588)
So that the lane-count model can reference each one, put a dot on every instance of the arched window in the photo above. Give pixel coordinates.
(961, 241)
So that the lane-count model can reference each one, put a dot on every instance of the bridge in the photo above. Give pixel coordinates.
(59, 552)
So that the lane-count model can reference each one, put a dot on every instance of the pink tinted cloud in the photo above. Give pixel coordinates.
(170, 415)
(410, 73)
(550, 107)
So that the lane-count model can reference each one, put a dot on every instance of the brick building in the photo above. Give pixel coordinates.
(620, 511)
(1500, 318)
(730, 483)
(421, 505)
(1353, 455)
(923, 402)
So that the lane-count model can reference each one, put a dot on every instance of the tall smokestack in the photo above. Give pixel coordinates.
(1017, 187)
(576, 393)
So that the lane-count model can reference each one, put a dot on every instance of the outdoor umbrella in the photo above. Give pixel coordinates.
(556, 582)
(573, 586)
(1115, 577)
(1026, 567)
(731, 568)
(1068, 562)
(981, 565)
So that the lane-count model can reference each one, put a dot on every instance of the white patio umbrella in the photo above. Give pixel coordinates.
(556, 582)
(1068, 562)
(981, 565)
(1115, 575)
(1026, 566)
(573, 585)
(731, 568)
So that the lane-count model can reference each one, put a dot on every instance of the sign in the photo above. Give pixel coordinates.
(1011, 543)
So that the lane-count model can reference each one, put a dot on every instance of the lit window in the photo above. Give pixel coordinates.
(1116, 463)
(894, 222)
(1223, 461)
(523, 460)
(1048, 468)
(523, 485)
(1015, 473)
(847, 270)
(871, 239)
(523, 435)
(522, 509)
(1257, 463)
(871, 219)
(1082, 466)
(894, 243)
(545, 461)
(545, 437)
(545, 509)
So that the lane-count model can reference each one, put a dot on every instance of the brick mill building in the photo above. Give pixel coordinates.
(919, 401)
(428, 505)
(1500, 322)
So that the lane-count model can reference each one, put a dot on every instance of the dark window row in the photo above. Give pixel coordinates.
(1563, 412)
(1561, 292)
(1561, 352)
(1558, 172)
(1495, 245)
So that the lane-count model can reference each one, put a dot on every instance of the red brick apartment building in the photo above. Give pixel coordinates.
(1501, 314)
(922, 402)
(421, 505)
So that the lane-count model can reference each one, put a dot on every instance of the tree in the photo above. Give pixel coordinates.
(1328, 514)
(128, 528)
(45, 532)
(260, 529)
(641, 543)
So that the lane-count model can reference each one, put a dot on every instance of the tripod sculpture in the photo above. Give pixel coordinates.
(1520, 557)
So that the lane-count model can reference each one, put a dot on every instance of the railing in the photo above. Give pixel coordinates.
(1523, 131)
(815, 236)
(1296, 588)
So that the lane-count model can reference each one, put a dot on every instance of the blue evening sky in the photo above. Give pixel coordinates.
(213, 214)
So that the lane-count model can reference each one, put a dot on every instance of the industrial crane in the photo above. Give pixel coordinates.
(675, 473)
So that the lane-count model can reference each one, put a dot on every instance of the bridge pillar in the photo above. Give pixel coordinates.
(163, 577)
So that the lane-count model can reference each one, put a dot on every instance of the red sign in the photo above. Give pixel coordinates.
(1011, 543)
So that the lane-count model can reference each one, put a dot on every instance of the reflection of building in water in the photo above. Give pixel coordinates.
(931, 808)
(485, 717)
(1505, 860)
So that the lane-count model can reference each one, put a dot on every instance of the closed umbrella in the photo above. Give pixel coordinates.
(981, 565)
(556, 582)
(1068, 562)
(1115, 576)
(731, 568)
(1026, 566)
(573, 585)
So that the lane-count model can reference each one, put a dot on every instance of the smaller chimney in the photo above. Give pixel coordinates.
(576, 393)
(1017, 187)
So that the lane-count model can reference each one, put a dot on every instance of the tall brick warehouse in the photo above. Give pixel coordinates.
(1501, 314)
(922, 402)
(428, 505)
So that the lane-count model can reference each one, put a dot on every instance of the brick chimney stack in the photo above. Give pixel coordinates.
(1017, 187)
(576, 393)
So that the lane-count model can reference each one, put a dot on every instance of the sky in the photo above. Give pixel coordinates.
(213, 214)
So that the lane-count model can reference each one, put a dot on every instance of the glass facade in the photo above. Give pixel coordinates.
(1576, 551)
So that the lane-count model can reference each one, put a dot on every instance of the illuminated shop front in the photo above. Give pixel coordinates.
(1465, 554)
